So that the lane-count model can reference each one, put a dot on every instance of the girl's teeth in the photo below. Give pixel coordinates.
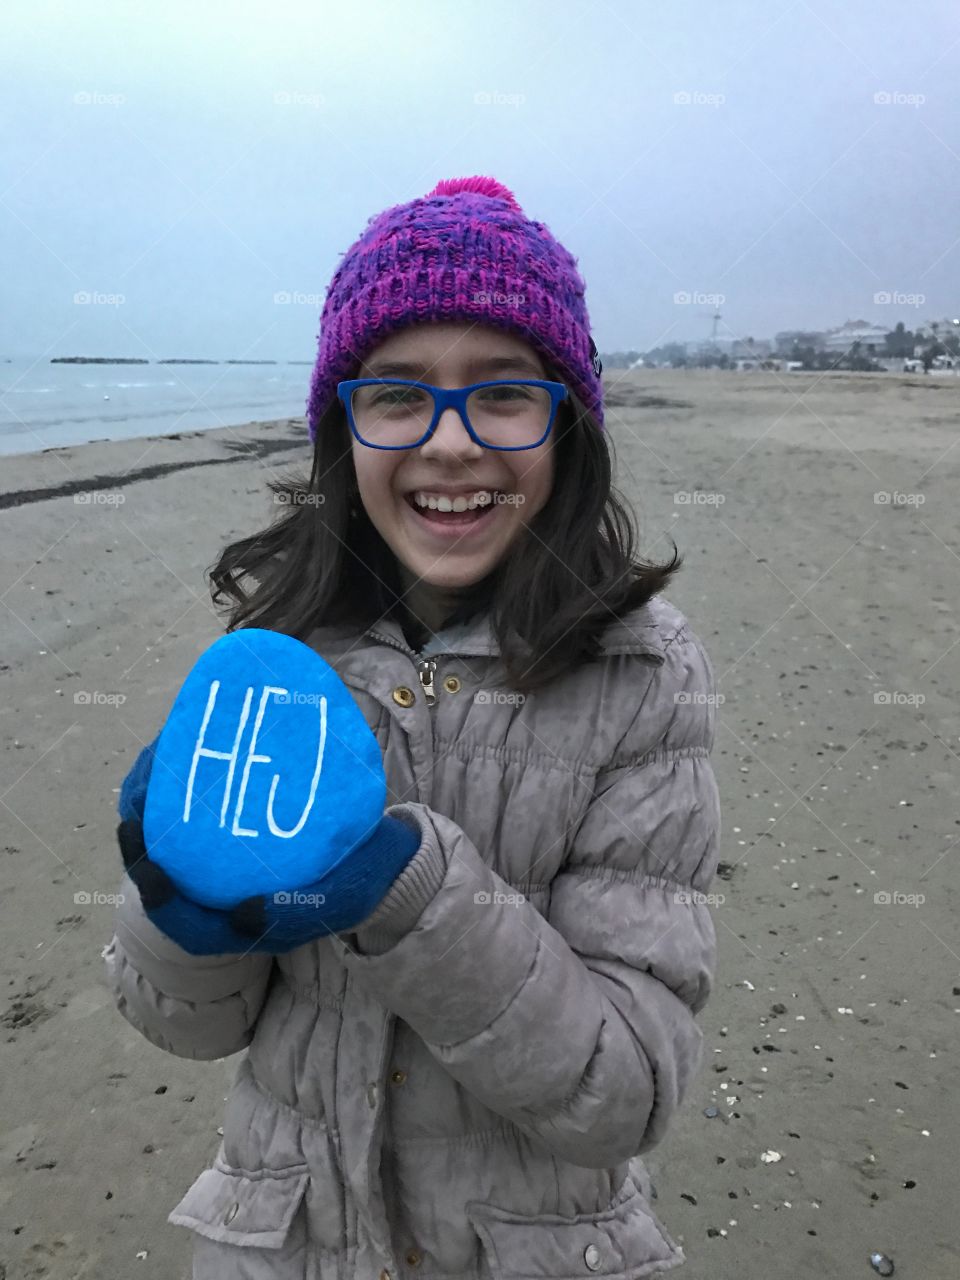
(481, 498)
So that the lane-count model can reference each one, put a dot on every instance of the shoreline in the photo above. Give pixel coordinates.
(118, 480)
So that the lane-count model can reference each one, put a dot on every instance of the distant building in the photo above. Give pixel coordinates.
(788, 339)
(871, 337)
(944, 327)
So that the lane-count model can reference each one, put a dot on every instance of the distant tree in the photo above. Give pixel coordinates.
(930, 353)
(618, 359)
(857, 362)
(900, 343)
(672, 353)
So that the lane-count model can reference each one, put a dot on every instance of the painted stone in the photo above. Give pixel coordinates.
(266, 773)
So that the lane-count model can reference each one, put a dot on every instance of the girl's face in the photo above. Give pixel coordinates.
(450, 550)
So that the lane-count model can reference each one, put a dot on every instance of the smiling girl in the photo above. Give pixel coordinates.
(463, 1083)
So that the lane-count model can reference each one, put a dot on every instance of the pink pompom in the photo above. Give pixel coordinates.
(479, 186)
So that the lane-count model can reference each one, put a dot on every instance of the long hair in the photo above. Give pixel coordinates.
(570, 572)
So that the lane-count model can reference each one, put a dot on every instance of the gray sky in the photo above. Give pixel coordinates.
(197, 159)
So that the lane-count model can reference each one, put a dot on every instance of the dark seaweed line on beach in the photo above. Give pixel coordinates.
(22, 497)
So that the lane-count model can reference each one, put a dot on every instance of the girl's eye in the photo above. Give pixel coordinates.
(505, 393)
(397, 396)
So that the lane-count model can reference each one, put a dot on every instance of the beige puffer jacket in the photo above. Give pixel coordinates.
(463, 1087)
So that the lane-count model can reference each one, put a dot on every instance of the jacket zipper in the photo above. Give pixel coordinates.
(426, 667)
(425, 670)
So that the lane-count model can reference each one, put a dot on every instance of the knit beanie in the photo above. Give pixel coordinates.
(466, 251)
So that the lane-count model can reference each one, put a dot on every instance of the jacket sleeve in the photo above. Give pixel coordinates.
(192, 1006)
(577, 1024)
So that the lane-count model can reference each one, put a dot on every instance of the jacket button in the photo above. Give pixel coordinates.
(398, 1077)
(231, 1212)
(403, 696)
(591, 1256)
(452, 684)
(413, 1258)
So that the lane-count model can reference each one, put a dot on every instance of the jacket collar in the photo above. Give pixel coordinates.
(637, 633)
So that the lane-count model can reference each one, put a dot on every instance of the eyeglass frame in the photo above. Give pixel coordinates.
(456, 398)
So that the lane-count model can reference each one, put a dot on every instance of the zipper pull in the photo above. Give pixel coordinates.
(425, 669)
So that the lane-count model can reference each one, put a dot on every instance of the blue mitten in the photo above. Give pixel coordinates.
(337, 902)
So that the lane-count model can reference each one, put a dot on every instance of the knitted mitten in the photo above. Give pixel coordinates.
(339, 901)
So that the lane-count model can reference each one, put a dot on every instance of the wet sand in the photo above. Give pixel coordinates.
(831, 619)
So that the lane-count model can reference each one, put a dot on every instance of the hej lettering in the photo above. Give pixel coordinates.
(252, 758)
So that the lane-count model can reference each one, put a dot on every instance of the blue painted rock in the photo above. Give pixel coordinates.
(266, 774)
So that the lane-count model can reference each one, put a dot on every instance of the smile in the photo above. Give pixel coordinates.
(462, 516)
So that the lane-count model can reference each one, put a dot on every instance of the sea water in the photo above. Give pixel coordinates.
(44, 405)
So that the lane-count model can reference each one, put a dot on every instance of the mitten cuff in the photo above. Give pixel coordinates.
(404, 903)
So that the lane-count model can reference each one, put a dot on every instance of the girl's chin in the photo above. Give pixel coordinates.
(431, 574)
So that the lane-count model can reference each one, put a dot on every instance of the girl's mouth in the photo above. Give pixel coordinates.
(435, 513)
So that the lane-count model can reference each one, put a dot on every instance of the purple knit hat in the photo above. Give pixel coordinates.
(466, 251)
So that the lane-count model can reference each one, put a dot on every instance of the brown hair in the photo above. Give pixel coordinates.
(569, 573)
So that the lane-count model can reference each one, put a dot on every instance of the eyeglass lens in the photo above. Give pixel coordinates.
(509, 415)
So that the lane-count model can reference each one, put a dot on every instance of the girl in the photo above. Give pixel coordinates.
(459, 1082)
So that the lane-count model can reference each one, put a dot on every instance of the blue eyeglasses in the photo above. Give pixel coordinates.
(394, 413)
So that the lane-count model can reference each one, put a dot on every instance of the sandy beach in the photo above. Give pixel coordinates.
(824, 1124)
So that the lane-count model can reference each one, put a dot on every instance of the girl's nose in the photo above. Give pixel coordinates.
(451, 439)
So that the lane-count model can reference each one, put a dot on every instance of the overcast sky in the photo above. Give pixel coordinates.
(796, 157)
